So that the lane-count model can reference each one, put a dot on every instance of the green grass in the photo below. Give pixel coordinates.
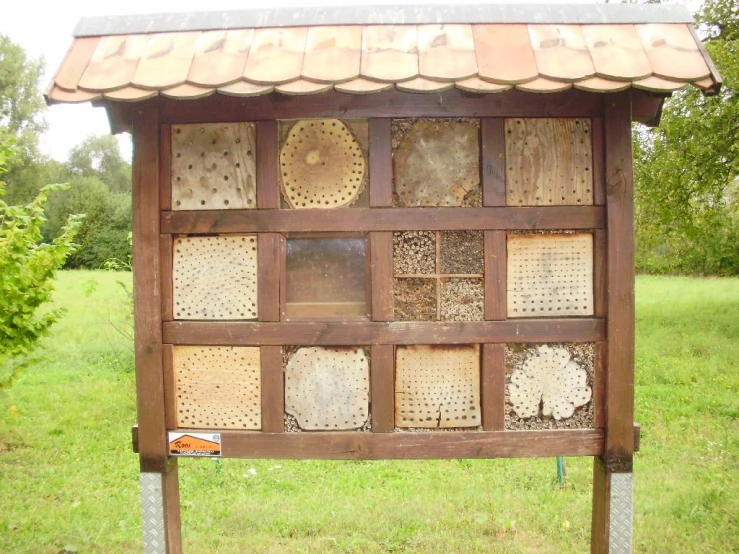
(69, 479)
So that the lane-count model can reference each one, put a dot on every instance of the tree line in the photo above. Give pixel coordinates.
(686, 170)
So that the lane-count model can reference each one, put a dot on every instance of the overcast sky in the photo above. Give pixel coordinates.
(45, 30)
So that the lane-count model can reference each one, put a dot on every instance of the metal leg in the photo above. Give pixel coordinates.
(152, 513)
(622, 513)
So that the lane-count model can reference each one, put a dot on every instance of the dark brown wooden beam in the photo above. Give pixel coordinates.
(225, 333)
(382, 219)
(646, 106)
(268, 267)
(496, 286)
(382, 382)
(273, 389)
(268, 179)
(381, 268)
(380, 163)
(493, 387)
(492, 138)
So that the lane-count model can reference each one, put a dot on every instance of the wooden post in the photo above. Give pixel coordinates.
(612, 474)
(159, 486)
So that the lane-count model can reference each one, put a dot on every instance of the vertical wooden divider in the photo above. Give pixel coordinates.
(165, 167)
(268, 178)
(600, 273)
(599, 385)
(382, 382)
(492, 136)
(493, 387)
(599, 186)
(496, 286)
(167, 286)
(619, 370)
(150, 186)
(268, 276)
(170, 385)
(273, 389)
(380, 163)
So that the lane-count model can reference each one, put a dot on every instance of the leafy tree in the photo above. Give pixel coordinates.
(685, 169)
(99, 156)
(27, 267)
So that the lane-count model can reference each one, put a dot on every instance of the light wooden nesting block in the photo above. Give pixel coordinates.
(214, 166)
(321, 164)
(327, 389)
(549, 162)
(437, 163)
(550, 275)
(437, 386)
(218, 387)
(215, 277)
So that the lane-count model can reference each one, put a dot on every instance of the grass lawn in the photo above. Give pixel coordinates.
(69, 480)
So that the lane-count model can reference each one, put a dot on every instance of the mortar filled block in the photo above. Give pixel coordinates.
(462, 252)
(414, 253)
(414, 299)
(462, 299)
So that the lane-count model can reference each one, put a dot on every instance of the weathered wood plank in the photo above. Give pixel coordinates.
(600, 273)
(599, 385)
(496, 281)
(617, 52)
(165, 167)
(389, 52)
(504, 53)
(170, 394)
(76, 61)
(113, 63)
(332, 53)
(377, 219)
(492, 135)
(446, 52)
(380, 163)
(382, 383)
(268, 289)
(561, 52)
(363, 332)
(166, 60)
(286, 44)
(493, 387)
(220, 57)
(273, 390)
(268, 179)
(166, 284)
(381, 254)
(599, 184)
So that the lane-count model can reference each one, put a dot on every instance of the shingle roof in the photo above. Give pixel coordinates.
(364, 59)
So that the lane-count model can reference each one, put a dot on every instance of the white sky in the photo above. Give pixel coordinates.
(44, 29)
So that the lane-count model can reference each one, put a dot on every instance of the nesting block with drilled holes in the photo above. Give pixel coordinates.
(327, 389)
(214, 166)
(550, 275)
(437, 386)
(549, 162)
(437, 163)
(215, 277)
(322, 165)
(217, 387)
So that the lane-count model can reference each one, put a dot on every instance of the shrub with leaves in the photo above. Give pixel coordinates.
(27, 267)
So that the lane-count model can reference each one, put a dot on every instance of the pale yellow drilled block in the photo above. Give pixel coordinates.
(214, 166)
(215, 277)
(549, 162)
(437, 386)
(321, 164)
(218, 387)
(550, 275)
(437, 163)
(327, 389)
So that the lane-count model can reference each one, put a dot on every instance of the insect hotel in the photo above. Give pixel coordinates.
(372, 233)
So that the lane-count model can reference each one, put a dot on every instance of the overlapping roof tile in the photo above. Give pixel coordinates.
(365, 59)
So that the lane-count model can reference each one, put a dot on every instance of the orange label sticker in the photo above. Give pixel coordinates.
(194, 444)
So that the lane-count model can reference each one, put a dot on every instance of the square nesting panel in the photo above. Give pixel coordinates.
(214, 166)
(437, 386)
(549, 162)
(218, 387)
(215, 277)
(550, 275)
(327, 389)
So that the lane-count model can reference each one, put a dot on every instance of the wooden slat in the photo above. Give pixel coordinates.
(273, 390)
(381, 252)
(561, 52)
(276, 55)
(268, 180)
(504, 53)
(600, 273)
(452, 103)
(496, 295)
(599, 385)
(166, 60)
(146, 290)
(408, 446)
(220, 57)
(492, 132)
(165, 167)
(268, 291)
(382, 394)
(75, 62)
(672, 51)
(362, 332)
(170, 394)
(378, 219)
(617, 52)
(332, 54)
(601, 516)
(446, 52)
(620, 215)
(114, 62)
(380, 163)
(172, 521)
(599, 184)
(389, 52)
(165, 261)
(493, 387)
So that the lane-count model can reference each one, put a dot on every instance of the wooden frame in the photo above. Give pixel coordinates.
(610, 219)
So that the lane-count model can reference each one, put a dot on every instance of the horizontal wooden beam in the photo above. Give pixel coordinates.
(382, 219)
(392, 103)
(232, 333)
